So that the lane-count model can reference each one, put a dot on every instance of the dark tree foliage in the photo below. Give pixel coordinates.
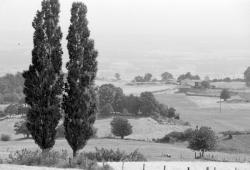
(203, 139)
(79, 101)
(247, 76)
(139, 79)
(132, 104)
(148, 104)
(120, 127)
(148, 77)
(44, 81)
(225, 94)
(106, 94)
(166, 76)
(205, 84)
(188, 75)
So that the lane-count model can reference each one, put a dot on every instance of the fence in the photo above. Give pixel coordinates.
(178, 166)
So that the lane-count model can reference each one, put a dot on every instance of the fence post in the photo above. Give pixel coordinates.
(188, 168)
(207, 168)
(164, 167)
(143, 166)
(122, 165)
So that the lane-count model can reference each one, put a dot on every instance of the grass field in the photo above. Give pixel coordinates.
(206, 111)
(239, 144)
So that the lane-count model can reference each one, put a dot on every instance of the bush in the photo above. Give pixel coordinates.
(37, 158)
(188, 134)
(53, 159)
(203, 139)
(114, 155)
(177, 136)
(165, 139)
(120, 127)
(5, 137)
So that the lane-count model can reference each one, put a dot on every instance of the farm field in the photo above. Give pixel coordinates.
(143, 128)
(206, 111)
(239, 144)
(138, 89)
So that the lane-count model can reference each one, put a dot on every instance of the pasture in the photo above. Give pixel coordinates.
(205, 111)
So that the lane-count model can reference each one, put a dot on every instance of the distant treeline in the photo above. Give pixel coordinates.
(11, 88)
(113, 100)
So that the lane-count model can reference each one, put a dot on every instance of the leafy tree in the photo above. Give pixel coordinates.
(148, 103)
(79, 100)
(171, 112)
(120, 127)
(205, 84)
(106, 110)
(21, 128)
(117, 76)
(44, 81)
(139, 79)
(188, 75)
(106, 94)
(166, 76)
(203, 139)
(148, 77)
(247, 76)
(225, 94)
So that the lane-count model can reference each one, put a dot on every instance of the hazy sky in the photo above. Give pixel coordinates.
(210, 37)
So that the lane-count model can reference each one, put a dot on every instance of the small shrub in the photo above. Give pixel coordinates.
(53, 159)
(5, 137)
(37, 158)
(113, 155)
(120, 127)
(165, 139)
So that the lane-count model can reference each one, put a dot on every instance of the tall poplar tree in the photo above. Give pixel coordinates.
(44, 81)
(79, 101)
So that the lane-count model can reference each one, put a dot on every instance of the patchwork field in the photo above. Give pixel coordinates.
(206, 111)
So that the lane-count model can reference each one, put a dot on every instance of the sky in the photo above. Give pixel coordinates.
(206, 37)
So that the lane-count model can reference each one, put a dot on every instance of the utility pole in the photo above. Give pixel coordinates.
(220, 104)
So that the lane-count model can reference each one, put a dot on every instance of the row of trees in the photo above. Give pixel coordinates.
(46, 94)
(112, 99)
